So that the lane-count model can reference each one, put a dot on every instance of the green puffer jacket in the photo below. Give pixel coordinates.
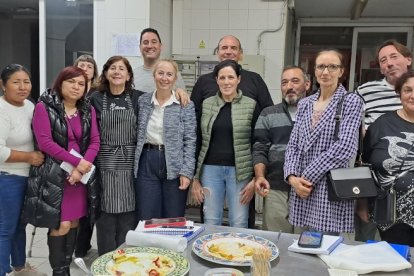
(242, 113)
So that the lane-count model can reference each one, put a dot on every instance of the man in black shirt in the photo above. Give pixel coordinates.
(251, 84)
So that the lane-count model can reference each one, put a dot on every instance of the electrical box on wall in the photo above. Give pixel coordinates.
(193, 66)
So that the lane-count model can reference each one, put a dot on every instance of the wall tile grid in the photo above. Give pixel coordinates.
(209, 20)
(119, 17)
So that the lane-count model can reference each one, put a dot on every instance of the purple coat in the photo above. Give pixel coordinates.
(313, 152)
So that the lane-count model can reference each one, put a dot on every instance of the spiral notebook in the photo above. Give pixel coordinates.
(189, 233)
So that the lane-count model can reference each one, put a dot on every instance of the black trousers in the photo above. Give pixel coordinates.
(83, 242)
(111, 230)
(399, 233)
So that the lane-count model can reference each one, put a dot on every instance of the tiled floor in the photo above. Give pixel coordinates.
(38, 255)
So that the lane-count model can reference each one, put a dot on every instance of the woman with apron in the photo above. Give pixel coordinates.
(115, 103)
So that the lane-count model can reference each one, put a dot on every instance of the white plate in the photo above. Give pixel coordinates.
(201, 247)
(219, 271)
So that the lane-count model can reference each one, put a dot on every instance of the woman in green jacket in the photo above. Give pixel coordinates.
(224, 167)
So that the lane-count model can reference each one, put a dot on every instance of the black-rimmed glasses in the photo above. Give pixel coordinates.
(331, 67)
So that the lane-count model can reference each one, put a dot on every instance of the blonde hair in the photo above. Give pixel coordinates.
(172, 62)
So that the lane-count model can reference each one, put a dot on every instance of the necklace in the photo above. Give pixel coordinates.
(71, 112)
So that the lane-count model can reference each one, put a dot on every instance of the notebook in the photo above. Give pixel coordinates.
(329, 243)
(189, 232)
(66, 166)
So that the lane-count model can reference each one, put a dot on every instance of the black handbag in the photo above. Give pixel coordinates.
(383, 209)
(349, 183)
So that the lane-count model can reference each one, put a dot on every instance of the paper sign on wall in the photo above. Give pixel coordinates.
(126, 45)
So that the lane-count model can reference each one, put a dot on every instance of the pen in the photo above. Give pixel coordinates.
(178, 227)
(189, 233)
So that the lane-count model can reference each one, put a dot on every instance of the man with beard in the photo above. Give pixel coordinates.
(394, 59)
(271, 135)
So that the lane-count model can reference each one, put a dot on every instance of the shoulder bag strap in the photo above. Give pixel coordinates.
(338, 119)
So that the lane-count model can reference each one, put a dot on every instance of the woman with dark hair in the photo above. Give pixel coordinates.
(88, 64)
(389, 148)
(312, 150)
(16, 156)
(225, 165)
(63, 121)
(115, 103)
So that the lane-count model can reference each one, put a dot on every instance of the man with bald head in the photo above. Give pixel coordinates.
(251, 84)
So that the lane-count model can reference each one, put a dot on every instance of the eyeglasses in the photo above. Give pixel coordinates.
(331, 67)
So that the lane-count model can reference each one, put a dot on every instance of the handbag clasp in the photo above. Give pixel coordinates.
(356, 190)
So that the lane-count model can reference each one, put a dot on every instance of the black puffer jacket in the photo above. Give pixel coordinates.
(45, 185)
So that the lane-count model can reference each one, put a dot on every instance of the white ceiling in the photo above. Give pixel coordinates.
(343, 8)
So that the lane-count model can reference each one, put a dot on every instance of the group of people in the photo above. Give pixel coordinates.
(145, 145)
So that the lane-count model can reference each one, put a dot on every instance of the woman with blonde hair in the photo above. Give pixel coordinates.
(165, 152)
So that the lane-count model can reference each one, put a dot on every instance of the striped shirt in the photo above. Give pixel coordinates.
(379, 98)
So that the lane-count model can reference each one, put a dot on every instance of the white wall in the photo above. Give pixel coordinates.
(161, 20)
(118, 17)
(209, 20)
(128, 17)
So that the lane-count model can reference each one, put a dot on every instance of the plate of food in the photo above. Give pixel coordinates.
(134, 261)
(234, 249)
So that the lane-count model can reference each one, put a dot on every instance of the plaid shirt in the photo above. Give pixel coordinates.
(312, 152)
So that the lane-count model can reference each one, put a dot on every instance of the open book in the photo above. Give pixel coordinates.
(329, 243)
(67, 167)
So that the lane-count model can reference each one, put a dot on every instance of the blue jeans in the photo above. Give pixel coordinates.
(12, 231)
(157, 196)
(221, 182)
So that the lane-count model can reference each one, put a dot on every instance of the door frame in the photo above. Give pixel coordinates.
(336, 22)
(358, 30)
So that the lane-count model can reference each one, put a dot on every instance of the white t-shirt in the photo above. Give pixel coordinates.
(15, 133)
(144, 80)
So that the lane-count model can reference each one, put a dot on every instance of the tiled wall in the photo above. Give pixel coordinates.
(130, 16)
(118, 17)
(184, 23)
(208, 20)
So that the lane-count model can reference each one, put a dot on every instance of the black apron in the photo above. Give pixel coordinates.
(118, 132)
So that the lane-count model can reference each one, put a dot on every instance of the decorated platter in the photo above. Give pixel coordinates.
(234, 249)
(134, 261)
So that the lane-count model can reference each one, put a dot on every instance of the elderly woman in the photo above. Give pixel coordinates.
(312, 150)
(225, 166)
(389, 147)
(16, 156)
(165, 155)
(63, 122)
